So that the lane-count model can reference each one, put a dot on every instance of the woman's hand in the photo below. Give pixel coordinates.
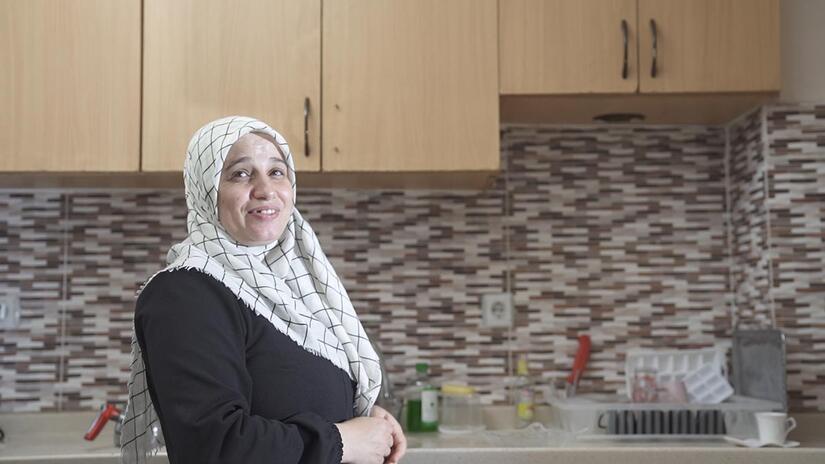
(366, 440)
(399, 443)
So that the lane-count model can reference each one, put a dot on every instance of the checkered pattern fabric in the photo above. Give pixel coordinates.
(290, 282)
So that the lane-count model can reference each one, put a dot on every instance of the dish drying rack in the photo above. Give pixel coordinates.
(617, 416)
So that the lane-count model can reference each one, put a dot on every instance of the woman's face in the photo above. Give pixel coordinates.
(255, 195)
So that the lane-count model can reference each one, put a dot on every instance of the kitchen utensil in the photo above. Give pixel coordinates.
(759, 365)
(108, 412)
(579, 363)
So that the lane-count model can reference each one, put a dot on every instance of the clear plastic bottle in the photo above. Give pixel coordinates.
(422, 402)
(523, 394)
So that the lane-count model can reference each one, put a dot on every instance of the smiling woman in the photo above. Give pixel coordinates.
(246, 346)
(255, 194)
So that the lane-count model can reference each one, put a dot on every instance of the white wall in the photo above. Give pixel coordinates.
(803, 50)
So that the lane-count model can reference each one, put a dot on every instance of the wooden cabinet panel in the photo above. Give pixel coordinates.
(567, 46)
(204, 59)
(69, 85)
(410, 85)
(710, 45)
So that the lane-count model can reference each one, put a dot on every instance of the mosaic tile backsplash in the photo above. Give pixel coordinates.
(618, 232)
(796, 217)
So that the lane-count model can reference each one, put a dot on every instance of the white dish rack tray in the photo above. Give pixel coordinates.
(673, 365)
(615, 417)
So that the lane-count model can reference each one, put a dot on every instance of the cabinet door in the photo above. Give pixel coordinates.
(69, 85)
(205, 59)
(567, 46)
(709, 45)
(410, 85)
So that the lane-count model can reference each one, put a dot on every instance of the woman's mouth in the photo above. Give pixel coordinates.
(264, 212)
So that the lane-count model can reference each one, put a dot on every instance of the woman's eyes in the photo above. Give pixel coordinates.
(277, 172)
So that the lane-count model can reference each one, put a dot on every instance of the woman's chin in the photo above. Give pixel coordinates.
(262, 238)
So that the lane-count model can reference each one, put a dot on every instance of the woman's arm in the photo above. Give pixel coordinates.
(193, 334)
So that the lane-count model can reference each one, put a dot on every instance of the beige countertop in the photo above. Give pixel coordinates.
(41, 438)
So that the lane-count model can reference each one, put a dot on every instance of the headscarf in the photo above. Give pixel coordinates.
(290, 282)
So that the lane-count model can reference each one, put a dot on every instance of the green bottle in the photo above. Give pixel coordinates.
(422, 402)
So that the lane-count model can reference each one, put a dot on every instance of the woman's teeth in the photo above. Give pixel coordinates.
(264, 211)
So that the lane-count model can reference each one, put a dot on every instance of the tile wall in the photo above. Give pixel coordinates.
(619, 232)
(779, 224)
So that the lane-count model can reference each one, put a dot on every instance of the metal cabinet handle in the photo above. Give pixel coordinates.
(624, 41)
(653, 31)
(306, 126)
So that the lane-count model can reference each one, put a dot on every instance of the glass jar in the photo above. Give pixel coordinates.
(460, 409)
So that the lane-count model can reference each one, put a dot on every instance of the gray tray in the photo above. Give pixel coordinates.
(759, 365)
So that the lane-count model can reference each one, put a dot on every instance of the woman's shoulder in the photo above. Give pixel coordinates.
(185, 281)
(183, 291)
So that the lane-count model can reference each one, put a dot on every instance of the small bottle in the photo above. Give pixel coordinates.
(523, 395)
(422, 402)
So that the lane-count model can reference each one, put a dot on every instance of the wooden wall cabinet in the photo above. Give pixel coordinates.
(579, 47)
(69, 85)
(709, 46)
(563, 61)
(205, 59)
(567, 46)
(408, 85)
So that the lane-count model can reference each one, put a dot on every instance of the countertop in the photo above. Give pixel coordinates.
(41, 438)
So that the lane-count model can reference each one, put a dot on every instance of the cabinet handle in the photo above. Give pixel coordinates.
(306, 126)
(653, 31)
(624, 41)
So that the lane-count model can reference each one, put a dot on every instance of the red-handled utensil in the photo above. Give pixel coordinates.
(579, 363)
(108, 412)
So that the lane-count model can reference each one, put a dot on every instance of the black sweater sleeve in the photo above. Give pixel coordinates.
(193, 337)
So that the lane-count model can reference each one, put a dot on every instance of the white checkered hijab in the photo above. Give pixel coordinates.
(290, 282)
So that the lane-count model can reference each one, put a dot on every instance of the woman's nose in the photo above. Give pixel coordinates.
(264, 189)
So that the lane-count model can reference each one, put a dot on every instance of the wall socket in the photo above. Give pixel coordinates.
(497, 310)
(9, 311)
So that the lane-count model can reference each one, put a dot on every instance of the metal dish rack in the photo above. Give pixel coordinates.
(614, 415)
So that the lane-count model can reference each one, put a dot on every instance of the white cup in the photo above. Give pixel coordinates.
(774, 427)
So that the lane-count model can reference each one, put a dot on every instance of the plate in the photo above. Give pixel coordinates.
(755, 443)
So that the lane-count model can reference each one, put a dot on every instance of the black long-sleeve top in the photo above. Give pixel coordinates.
(227, 387)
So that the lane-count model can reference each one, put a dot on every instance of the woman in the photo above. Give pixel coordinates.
(247, 348)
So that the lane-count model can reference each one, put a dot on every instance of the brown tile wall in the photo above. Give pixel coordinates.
(777, 190)
(617, 232)
(796, 202)
(749, 230)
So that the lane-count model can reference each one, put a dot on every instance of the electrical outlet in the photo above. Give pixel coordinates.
(9, 311)
(497, 310)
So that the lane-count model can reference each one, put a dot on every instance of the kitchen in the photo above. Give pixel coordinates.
(666, 233)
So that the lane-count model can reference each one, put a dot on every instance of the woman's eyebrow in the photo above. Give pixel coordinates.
(239, 160)
(247, 158)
